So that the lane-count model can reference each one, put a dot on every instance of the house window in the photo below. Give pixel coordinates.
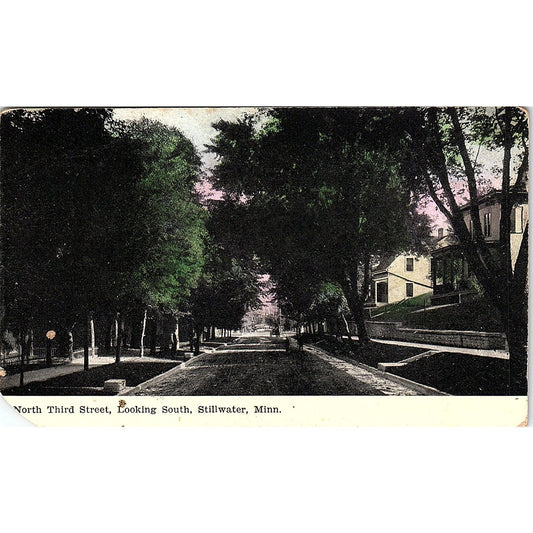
(409, 290)
(517, 220)
(409, 264)
(486, 224)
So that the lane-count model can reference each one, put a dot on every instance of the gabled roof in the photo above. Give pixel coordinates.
(385, 263)
(447, 240)
(495, 195)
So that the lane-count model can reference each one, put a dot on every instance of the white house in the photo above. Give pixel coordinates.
(399, 277)
(451, 276)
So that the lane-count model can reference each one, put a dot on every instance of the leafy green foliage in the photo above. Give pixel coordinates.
(173, 222)
(98, 216)
(66, 211)
(229, 285)
(445, 144)
(320, 194)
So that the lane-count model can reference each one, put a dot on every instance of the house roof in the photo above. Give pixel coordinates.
(447, 240)
(385, 263)
(495, 194)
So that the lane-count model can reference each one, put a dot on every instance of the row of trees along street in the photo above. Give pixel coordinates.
(103, 227)
(321, 194)
(104, 237)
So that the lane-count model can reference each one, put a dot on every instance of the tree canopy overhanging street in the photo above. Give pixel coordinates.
(109, 240)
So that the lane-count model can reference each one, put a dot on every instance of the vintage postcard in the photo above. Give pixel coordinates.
(260, 266)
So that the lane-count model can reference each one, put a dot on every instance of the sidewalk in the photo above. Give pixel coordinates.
(43, 374)
(76, 365)
(498, 354)
(384, 382)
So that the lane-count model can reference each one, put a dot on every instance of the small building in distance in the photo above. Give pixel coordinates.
(452, 280)
(400, 276)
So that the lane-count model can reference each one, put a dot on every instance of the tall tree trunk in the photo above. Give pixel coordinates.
(65, 342)
(347, 327)
(507, 291)
(197, 339)
(191, 341)
(359, 318)
(167, 335)
(517, 341)
(115, 334)
(356, 288)
(30, 345)
(143, 330)
(517, 321)
(93, 339)
(174, 343)
(175, 339)
(70, 343)
(153, 337)
(108, 334)
(356, 306)
(136, 330)
(86, 341)
(120, 324)
(26, 348)
(21, 350)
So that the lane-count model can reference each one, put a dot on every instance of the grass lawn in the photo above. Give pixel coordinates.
(454, 373)
(476, 315)
(460, 374)
(398, 311)
(90, 382)
(371, 354)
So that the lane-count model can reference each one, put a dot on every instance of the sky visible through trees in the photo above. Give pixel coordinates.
(102, 222)
(170, 216)
(197, 125)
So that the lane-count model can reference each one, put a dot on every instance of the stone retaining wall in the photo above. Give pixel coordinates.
(461, 339)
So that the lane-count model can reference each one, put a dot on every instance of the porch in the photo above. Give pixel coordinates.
(451, 278)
